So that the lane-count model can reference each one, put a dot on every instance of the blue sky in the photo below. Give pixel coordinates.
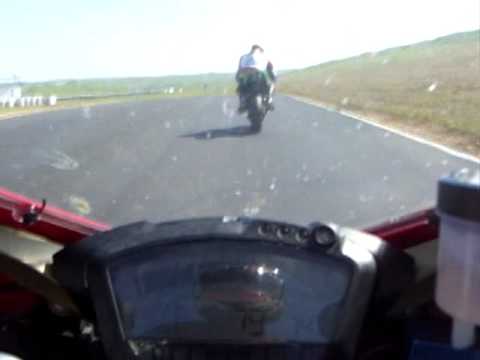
(112, 38)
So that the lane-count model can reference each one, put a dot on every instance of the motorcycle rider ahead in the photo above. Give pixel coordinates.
(252, 67)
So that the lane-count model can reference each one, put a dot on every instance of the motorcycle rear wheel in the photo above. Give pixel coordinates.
(256, 113)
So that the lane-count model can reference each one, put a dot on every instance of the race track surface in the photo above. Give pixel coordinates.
(195, 157)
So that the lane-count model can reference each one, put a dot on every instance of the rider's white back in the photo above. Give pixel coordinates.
(257, 60)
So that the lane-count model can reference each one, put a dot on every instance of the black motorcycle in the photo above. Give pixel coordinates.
(254, 100)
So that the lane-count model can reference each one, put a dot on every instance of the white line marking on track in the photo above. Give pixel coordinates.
(446, 149)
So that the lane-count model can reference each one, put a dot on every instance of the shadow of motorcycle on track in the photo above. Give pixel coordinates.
(237, 131)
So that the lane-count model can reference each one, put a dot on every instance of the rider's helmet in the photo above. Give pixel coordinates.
(256, 47)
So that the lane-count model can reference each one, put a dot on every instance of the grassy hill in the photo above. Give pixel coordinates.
(434, 84)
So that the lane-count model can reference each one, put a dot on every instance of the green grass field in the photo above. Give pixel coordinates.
(190, 85)
(433, 84)
(209, 84)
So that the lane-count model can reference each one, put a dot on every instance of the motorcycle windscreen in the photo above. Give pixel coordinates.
(230, 292)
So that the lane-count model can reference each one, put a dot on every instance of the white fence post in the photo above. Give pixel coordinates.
(20, 102)
(52, 100)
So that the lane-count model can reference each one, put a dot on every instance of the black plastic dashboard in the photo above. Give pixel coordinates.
(229, 282)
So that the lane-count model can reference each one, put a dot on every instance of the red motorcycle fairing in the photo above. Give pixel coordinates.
(57, 225)
(408, 231)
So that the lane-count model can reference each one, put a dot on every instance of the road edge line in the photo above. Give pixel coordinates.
(452, 152)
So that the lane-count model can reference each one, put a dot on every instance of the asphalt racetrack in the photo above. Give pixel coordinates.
(196, 157)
